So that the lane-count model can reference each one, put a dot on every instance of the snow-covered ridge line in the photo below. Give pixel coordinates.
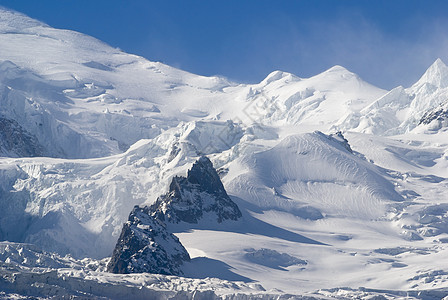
(104, 100)
(401, 110)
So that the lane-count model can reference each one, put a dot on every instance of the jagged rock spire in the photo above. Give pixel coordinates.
(200, 192)
(145, 243)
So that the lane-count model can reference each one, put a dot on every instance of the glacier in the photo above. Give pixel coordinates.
(342, 186)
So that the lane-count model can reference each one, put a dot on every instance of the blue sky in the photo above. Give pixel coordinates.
(388, 43)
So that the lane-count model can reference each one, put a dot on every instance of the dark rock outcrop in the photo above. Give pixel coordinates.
(340, 139)
(16, 141)
(145, 245)
(200, 193)
(439, 114)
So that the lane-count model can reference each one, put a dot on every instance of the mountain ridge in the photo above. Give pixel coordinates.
(108, 99)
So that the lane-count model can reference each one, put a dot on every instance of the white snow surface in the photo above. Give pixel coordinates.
(318, 219)
(400, 110)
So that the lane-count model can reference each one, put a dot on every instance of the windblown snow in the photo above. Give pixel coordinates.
(342, 186)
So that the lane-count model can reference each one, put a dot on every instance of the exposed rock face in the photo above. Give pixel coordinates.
(145, 245)
(438, 114)
(16, 141)
(200, 192)
(339, 137)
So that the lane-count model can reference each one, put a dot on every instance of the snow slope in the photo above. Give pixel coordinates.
(401, 110)
(88, 131)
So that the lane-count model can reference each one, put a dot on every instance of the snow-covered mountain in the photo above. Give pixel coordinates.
(401, 110)
(335, 184)
(81, 98)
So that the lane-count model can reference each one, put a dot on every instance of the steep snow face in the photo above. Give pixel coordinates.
(36, 107)
(213, 137)
(382, 116)
(401, 110)
(436, 76)
(82, 98)
(428, 93)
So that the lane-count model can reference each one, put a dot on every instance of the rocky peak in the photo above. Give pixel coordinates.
(188, 199)
(145, 245)
(205, 176)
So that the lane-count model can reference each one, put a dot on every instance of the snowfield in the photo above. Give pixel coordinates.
(342, 186)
